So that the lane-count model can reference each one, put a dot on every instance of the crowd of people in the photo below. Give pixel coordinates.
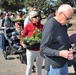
(55, 45)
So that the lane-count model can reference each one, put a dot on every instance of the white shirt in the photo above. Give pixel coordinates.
(26, 21)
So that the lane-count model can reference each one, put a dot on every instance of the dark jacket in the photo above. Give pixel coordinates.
(9, 23)
(14, 40)
(54, 39)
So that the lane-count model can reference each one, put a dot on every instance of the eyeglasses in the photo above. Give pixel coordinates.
(36, 16)
(14, 34)
(67, 17)
(19, 24)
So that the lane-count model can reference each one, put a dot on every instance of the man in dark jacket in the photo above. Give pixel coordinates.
(55, 42)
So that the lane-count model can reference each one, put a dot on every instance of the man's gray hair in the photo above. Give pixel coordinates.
(65, 7)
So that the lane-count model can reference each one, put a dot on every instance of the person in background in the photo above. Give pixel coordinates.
(12, 16)
(27, 19)
(15, 41)
(55, 45)
(1, 18)
(33, 53)
(52, 15)
(72, 39)
(19, 14)
(18, 17)
(3, 38)
(18, 27)
(7, 22)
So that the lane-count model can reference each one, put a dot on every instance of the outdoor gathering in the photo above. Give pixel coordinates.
(37, 37)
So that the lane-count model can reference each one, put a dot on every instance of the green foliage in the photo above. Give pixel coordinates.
(11, 5)
(44, 6)
(18, 19)
(34, 39)
(59, 2)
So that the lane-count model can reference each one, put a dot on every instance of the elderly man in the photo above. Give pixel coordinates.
(55, 42)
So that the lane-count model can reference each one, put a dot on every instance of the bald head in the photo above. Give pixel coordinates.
(65, 7)
(64, 14)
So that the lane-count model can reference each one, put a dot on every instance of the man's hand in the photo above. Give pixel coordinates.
(24, 46)
(66, 54)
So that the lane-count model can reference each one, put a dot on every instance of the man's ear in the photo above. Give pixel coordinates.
(60, 13)
(56, 12)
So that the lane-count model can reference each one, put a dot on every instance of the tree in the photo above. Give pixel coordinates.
(44, 6)
(71, 2)
(11, 5)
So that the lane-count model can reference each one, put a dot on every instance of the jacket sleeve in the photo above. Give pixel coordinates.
(47, 35)
(25, 31)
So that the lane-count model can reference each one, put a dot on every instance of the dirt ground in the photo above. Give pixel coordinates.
(72, 29)
(13, 66)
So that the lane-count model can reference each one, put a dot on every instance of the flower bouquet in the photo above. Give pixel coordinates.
(18, 20)
(34, 40)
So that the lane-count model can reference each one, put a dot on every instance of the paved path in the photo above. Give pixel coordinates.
(12, 66)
